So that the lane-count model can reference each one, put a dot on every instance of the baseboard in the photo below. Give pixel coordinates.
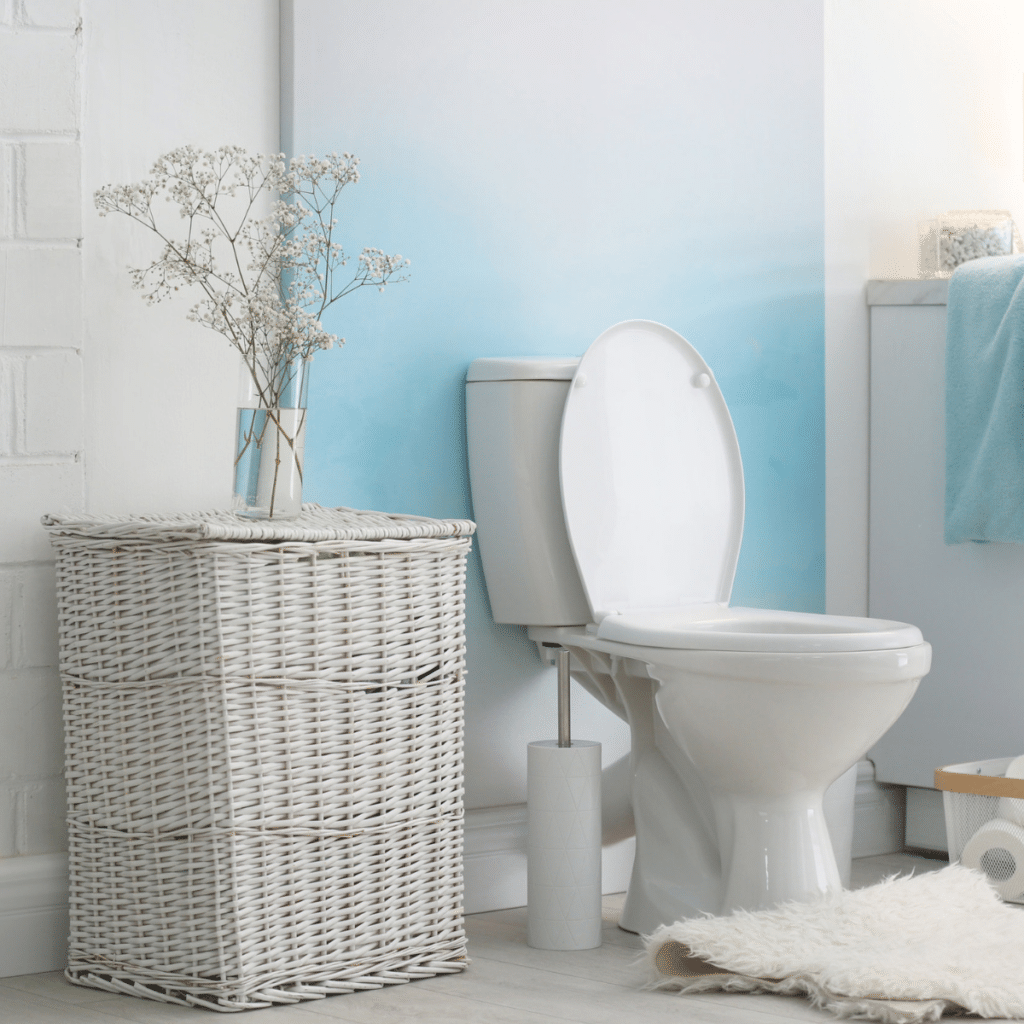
(495, 860)
(879, 813)
(34, 889)
(926, 821)
(33, 914)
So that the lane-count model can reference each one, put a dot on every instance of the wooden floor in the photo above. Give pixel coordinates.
(507, 983)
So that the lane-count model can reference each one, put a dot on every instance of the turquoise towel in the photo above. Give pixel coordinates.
(985, 401)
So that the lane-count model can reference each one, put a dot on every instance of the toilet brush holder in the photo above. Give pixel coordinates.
(563, 866)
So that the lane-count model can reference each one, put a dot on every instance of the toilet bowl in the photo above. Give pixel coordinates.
(608, 496)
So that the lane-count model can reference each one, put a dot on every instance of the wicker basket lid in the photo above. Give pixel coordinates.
(314, 524)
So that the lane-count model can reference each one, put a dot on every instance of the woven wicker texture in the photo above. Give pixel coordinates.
(264, 753)
(314, 524)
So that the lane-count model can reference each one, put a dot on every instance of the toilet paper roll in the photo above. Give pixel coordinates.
(563, 861)
(1011, 808)
(997, 850)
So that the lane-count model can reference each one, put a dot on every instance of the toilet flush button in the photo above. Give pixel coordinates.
(702, 380)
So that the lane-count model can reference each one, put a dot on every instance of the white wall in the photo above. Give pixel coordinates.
(105, 403)
(923, 114)
(41, 423)
(162, 391)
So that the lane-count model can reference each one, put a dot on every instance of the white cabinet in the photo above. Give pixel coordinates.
(967, 599)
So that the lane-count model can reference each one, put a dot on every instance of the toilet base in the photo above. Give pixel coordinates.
(759, 836)
(774, 849)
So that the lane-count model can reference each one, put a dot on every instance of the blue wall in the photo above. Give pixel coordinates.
(551, 169)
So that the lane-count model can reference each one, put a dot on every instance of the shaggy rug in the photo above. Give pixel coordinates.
(908, 949)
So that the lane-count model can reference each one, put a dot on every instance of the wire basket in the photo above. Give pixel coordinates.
(984, 813)
(263, 752)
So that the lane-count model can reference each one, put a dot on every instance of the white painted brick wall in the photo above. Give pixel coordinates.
(42, 414)
(53, 403)
(8, 174)
(34, 619)
(12, 386)
(52, 189)
(50, 13)
(30, 281)
(34, 746)
(143, 98)
(28, 617)
(7, 587)
(38, 81)
(41, 398)
(28, 488)
(9, 799)
(32, 760)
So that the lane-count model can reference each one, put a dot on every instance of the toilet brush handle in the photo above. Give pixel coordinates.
(564, 732)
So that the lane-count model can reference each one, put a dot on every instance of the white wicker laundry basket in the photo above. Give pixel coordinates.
(264, 752)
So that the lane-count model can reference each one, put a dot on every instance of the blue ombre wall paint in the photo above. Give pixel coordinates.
(551, 169)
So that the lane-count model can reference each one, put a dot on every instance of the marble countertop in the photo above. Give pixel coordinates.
(931, 292)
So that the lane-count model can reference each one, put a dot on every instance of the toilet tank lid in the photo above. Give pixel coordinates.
(523, 368)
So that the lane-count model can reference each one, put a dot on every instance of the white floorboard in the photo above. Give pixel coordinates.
(507, 983)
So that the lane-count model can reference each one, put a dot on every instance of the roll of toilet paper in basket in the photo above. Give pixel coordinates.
(1011, 808)
(997, 850)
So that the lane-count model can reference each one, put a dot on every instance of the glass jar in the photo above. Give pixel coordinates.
(962, 235)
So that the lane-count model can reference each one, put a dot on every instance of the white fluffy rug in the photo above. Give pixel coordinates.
(908, 949)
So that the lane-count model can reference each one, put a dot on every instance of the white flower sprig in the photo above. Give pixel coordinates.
(265, 281)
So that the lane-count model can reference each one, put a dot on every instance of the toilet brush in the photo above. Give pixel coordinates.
(563, 866)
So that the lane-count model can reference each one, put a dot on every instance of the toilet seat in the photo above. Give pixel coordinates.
(650, 472)
(717, 627)
(652, 492)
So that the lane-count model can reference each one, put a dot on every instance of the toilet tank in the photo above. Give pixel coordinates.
(513, 422)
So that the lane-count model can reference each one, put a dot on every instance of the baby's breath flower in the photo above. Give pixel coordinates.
(264, 282)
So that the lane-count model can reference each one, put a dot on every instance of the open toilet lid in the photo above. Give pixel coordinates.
(651, 474)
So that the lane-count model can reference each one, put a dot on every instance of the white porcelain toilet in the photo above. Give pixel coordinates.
(608, 495)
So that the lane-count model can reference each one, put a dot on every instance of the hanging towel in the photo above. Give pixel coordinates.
(985, 401)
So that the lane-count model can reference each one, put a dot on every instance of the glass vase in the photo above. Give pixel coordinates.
(270, 450)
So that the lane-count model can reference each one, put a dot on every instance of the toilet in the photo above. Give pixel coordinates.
(608, 496)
